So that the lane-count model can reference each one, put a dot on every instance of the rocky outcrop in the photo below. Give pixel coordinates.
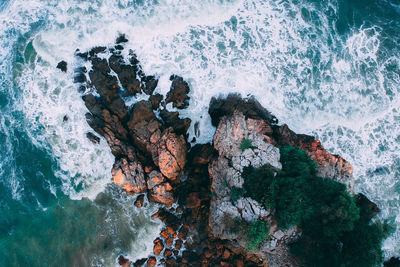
(150, 153)
(196, 185)
(225, 171)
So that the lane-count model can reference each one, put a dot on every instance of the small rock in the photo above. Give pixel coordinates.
(93, 138)
(151, 262)
(123, 261)
(167, 253)
(62, 65)
(169, 241)
(226, 254)
(178, 93)
(139, 201)
(178, 244)
(164, 234)
(121, 39)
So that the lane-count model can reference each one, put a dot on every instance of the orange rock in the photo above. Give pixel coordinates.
(226, 254)
(158, 247)
(162, 194)
(171, 154)
(167, 253)
(169, 241)
(224, 264)
(165, 234)
(151, 262)
(171, 229)
(155, 178)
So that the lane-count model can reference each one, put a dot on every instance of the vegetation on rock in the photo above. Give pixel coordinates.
(336, 232)
(245, 144)
(254, 233)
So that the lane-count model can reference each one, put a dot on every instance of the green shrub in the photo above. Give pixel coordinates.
(253, 233)
(334, 233)
(236, 193)
(246, 143)
(258, 233)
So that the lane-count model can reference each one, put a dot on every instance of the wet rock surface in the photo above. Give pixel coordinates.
(193, 184)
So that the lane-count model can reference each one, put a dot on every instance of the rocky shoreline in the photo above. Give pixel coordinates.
(193, 183)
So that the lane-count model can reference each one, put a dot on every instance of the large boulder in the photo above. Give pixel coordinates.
(169, 154)
(129, 176)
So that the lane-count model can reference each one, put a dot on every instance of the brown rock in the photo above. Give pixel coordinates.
(178, 244)
(225, 264)
(170, 262)
(171, 154)
(162, 194)
(171, 119)
(167, 253)
(208, 253)
(226, 254)
(123, 261)
(139, 201)
(158, 247)
(155, 178)
(155, 100)
(239, 263)
(169, 241)
(183, 232)
(193, 200)
(165, 234)
(129, 176)
(178, 93)
(171, 229)
(151, 262)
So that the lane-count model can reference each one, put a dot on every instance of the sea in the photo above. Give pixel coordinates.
(328, 68)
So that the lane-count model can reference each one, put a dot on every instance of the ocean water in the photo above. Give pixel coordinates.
(330, 68)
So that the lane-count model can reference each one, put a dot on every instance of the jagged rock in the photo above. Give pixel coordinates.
(156, 100)
(178, 94)
(62, 65)
(121, 39)
(139, 263)
(123, 261)
(129, 176)
(93, 138)
(171, 119)
(250, 209)
(151, 262)
(163, 194)
(150, 84)
(170, 154)
(251, 108)
(139, 201)
(155, 178)
(142, 125)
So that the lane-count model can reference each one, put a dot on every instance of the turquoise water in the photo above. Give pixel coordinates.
(328, 68)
